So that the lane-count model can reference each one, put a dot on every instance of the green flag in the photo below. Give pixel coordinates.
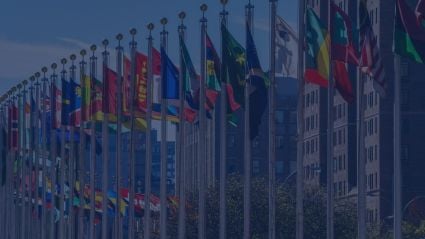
(233, 69)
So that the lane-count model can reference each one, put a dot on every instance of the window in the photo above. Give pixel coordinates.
(335, 166)
(279, 141)
(279, 116)
(307, 100)
(376, 125)
(343, 160)
(339, 137)
(312, 122)
(376, 152)
(279, 167)
(312, 97)
(340, 162)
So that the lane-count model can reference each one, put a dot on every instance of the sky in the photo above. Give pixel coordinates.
(34, 34)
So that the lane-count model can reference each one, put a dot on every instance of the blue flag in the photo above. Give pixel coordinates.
(170, 77)
(259, 81)
(66, 102)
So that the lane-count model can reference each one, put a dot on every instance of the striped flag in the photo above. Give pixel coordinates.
(371, 61)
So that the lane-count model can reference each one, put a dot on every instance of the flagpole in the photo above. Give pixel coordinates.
(133, 47)
(272, 143)
(73, 170)
(148, 166)
(82, 153)
(2, 143)
(300, 125)
(8, 171)
(44, 155)
(119, 50)
(182, 129)
(164, 151)
(247, 142)
(105, 144)
(223, 134)
(21, 156)
(53, 151)
(93, 62)
(397, 152)
(37, 146)
(30, 160)
(330, 148)
(202, 156)
(13, 192)
(62, 157)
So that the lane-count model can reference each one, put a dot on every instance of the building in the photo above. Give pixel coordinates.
(378, 124)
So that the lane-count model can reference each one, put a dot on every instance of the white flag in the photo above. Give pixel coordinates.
(286, 50)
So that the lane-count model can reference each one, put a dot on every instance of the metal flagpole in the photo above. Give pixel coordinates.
(182, 129)
(44, 155)
(133, 47)
(13, 178)
(223, 132)
(148, 169)
(272, 126)
(247, 143)
(25, 171)
(8, 172)
(397, 152)
(105, 145)
(61, 232)
(20, 156)
(202, 156)
(82, 153)
(164, 151)
(37, 153)
(330, 147)
(30, 161)
(2, 149)
(300, 125)
(73, 170)
(93, 62)
(119, 50)
(53, 151)
(361, 161)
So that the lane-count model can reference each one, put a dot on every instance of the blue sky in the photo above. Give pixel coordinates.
(37, 33)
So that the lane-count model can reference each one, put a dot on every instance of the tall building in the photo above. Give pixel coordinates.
(378, 123)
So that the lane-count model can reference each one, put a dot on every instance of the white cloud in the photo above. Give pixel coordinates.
(74, 42)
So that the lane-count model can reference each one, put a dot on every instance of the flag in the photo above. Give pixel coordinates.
(342, 81)
(3, 155)
(75, 103)
(66, 102)
(56, 106)
(110, 97)
(233, 69)
(126, 86)
(170, 75)
(258, 80)
(286, 50)
(409, 34)
(86, 98)
(96, 100)
(420, 12)
(13, 127)
(370, 61)
(317, 57)
(213, 66)
(343, 47)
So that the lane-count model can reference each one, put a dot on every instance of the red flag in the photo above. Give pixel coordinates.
(342, 81)
(126, 86)
(110, 99)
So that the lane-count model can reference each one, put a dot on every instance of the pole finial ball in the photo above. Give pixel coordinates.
(54, 66)
(93, 47)
(119, 37)
(204, 7)
(19, 86)
(44, 69)
(32, 78)
(73, 57)
(133, 31)
(182, 15)
(151, 26)
(164, 21)
(25, 82)
(37, 74)
(83, 52)
(224, 2)
(105, 42)
(63, 61)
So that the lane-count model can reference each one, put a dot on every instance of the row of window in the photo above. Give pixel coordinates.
(312, 122)
(371, 99)
(339, 137)
(311, 98)
(339, 163)
(371, 126)
(311, 171)
(372, 181)
(372, 216)
(340, 188)
(340, 111)
(310, 146)
(372, 153)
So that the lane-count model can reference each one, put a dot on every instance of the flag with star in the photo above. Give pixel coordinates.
(233, 69)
